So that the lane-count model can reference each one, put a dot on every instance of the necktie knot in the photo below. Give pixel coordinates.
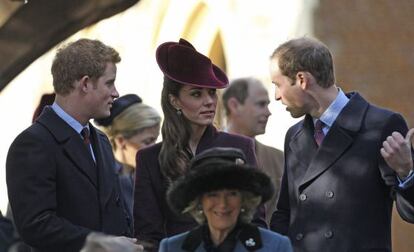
(85, 134)
(318, 134)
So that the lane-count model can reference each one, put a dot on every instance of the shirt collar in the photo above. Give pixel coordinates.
(67, 118)
(329, 116)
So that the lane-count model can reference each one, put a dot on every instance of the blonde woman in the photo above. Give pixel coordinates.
(131, 126)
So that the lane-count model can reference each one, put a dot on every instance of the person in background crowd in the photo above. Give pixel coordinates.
(60, 171)
(222, 196)
(6, 233)
(246, 104)
(46, 99)
(337, 190)
(131, 126)
(189, 103)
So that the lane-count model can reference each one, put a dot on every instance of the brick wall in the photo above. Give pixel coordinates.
(373, 46)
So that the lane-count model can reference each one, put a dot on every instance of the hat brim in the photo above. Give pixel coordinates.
(214, 77)
(218, 177)
(119, 105)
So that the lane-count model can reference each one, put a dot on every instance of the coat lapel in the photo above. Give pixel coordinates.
(334, 145)
(75, 149)
(304, 148)
(105, 165)
(71, 143)
(338, 140)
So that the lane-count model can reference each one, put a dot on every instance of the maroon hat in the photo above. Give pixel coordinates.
(181, 62)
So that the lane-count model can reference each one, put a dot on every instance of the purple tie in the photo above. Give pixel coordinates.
(319, 135)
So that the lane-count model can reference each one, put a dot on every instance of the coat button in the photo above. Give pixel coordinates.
(299, 236)
(302, 197)
(117, 200)
(329, 194)
(328, 234)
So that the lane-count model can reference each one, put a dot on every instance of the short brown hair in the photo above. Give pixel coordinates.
(239, 89)
(80, 58)
(306, 54)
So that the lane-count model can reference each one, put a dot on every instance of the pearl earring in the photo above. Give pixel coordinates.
(179, 112)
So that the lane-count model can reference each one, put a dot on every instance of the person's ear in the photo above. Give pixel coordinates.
(120, 142)
(233, 105)
(174, 101)
(85, 83)
(304, 79)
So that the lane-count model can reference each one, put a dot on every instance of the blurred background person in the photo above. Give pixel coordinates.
(222, 196)
(46, 99)
(189, 103)
(6, 233)
(246, 103)
(131, 126)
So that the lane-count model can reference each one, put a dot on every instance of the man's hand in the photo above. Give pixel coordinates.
(396, 151)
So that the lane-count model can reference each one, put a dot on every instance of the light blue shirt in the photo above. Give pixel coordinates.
(72, 123)
(329, 116)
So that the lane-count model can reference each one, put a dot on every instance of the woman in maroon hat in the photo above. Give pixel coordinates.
(189, 103)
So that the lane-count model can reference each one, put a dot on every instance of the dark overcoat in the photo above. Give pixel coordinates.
(57, 193)
(339, 197)
(153, 219)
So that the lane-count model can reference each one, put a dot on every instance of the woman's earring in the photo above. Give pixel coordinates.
(242, 210)
(179, 112)
(200, 209)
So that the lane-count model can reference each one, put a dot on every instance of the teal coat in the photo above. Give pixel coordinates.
(251, 238)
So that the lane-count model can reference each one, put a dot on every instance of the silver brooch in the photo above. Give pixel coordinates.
(250, 242)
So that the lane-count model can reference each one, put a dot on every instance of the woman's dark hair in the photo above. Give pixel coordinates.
(174, 157)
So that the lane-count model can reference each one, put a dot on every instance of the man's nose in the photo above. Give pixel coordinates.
(277, 95)
(115, 93)
(268, 113)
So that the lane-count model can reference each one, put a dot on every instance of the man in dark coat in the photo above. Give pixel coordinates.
(61, 180)
(337, 190)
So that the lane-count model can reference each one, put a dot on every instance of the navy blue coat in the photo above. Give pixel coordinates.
(57, 193)
(339, 197)
(153, 219)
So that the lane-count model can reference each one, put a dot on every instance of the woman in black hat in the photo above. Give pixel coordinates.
(131, 126)
(222, 197)
(189, 103)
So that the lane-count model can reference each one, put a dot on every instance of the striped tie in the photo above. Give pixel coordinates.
(85, 134)
(318, 134)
